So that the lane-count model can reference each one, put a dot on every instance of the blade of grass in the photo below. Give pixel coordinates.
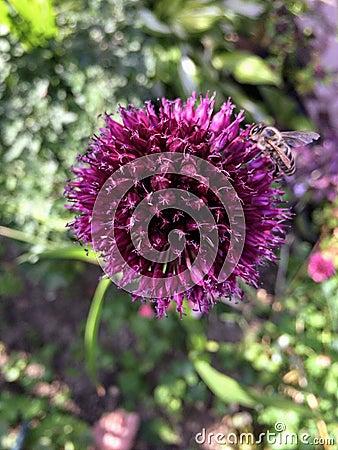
(91, 331)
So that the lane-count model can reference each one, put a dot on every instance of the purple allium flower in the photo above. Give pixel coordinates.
(194, 133)
(320, 267)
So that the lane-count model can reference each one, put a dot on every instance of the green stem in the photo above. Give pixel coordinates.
(92, 327)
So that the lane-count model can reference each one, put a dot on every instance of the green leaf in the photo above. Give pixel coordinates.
(252, 69)
(195, 18)
(246, 68)
(227, 61)
(230, 391)
(34, 23)
(92, 327)
(223, 386)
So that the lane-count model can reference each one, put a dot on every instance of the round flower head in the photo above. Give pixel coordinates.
(178, 203)
(320, 268)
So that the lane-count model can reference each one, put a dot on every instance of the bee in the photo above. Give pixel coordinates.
(277, 145)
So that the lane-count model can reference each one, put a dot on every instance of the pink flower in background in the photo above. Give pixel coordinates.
(146, 311)
(116, 431)
(320, 268)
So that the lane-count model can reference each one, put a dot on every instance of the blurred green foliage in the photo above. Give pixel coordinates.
(117, 52)
(44, 403)
(61, 66)
(285, 355)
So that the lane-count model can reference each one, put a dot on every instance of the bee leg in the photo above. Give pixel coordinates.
(276, 172)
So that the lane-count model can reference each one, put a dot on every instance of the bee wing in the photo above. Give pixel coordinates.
(297, 138)
(281, 154)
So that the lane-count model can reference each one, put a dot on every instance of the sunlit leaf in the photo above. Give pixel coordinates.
(34, 23)
(195, 18)
(227, 61)
(254, 70)
(246, 68)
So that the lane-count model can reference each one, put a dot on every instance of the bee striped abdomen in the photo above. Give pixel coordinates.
(289, 169)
